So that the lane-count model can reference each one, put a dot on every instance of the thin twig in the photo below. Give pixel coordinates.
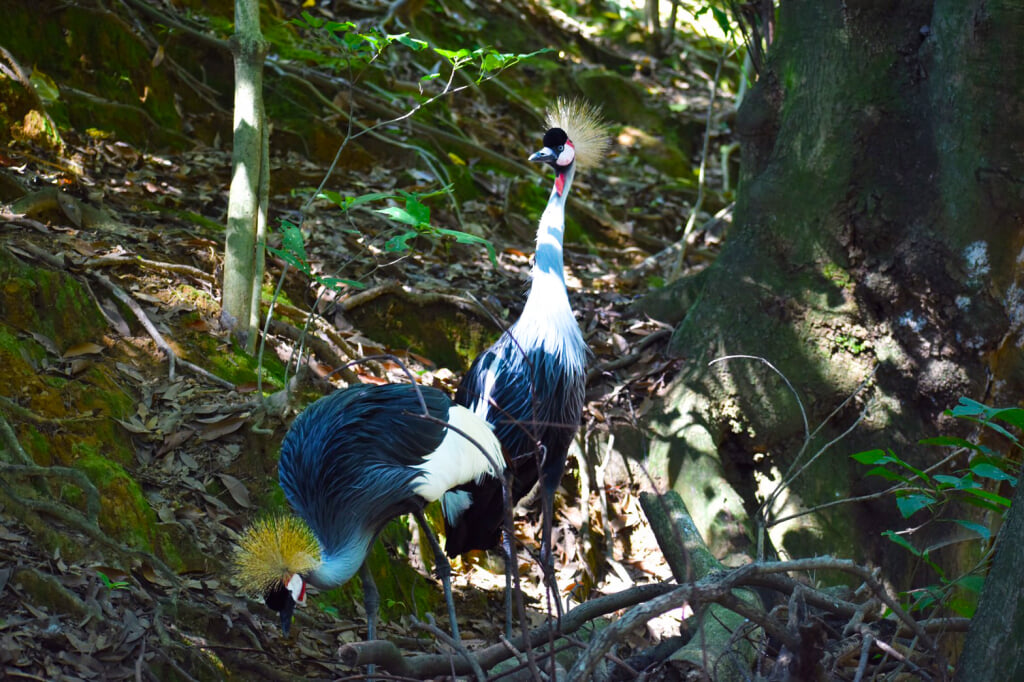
(154, 334)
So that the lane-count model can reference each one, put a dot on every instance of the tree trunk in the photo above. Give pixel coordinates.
(247, 204)
(992, 650)
(877, 228)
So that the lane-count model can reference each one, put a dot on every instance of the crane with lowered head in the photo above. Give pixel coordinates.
(351, 462)
(530, 384)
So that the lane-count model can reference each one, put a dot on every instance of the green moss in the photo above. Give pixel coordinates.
(232, 363)
(48, 592)
(446, 335)
(202, 300)
(124, 512)
(838, 275)
(81, 49)
(47, 302)
(267, 295)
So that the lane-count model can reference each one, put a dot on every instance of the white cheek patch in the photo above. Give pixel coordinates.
(297, 588)
(567, 155)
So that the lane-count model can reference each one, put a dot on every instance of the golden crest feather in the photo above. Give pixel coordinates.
(584, 125)
(272, 550)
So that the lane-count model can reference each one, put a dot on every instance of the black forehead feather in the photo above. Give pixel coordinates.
(555, 137)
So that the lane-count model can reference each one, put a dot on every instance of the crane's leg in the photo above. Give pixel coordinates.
(371, 602)
(547, 557)
(444, 572)
(508, 550)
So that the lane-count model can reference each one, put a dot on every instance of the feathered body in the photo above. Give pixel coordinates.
(530, 384)
(351, 462)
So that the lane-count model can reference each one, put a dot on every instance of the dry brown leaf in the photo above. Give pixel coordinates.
(174, 439)
(87, 348)
(134, 426)
(239, 493)
(222, 428)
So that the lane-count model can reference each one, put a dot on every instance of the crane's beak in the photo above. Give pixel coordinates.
(546, 155)
(283, 598)
(286, 616)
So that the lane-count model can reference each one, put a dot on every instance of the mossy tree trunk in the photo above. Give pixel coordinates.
(878, 227)
(250, 181)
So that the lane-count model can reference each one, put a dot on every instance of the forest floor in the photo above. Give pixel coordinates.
(140, 233)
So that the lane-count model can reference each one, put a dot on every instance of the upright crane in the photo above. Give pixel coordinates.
(530, 384)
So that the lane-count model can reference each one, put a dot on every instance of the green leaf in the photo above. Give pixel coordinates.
(312, 21)
(494, 61)
(414, 213)
(981, 530)
(969, 408)
(289, 258)
(345, 202)
(45, 87)
(401, 242)
(882, 472)
(1014, 416)
(292, 240)
(467, 238)
(986, 470)
(971, 582)
(990, 497)
(413, 43)
(946, 481)
(925, 597)
(456, 57)
(722, 19)
(899, 540)
(336, 283)
(917, 472)
(871, 457)
(400, 215)
(911, 504)
(420, 211)
(949, 441)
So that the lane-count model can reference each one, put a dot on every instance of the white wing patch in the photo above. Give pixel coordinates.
(458, 460)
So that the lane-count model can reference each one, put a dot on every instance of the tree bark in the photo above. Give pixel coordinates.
(247, 204)
(992, 650)
(878, 227)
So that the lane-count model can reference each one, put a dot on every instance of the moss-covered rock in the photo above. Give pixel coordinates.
(124, 512)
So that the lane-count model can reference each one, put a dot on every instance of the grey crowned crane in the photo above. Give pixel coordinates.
(529, 385)
(351, 462)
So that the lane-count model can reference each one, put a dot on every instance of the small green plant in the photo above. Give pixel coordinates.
(293, 252)
(112, 584)
(918, 490)
(415, 215)
(362, 48)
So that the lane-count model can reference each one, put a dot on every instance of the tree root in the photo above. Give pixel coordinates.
(389, 657)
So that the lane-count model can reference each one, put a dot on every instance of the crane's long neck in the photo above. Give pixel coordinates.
(337, 568)
(548, 269)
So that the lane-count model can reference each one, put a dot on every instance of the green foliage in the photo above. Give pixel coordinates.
(918, 490)
(720, 15)
(293, 252)
(112, 584)
(415, 215)
(360, 49)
